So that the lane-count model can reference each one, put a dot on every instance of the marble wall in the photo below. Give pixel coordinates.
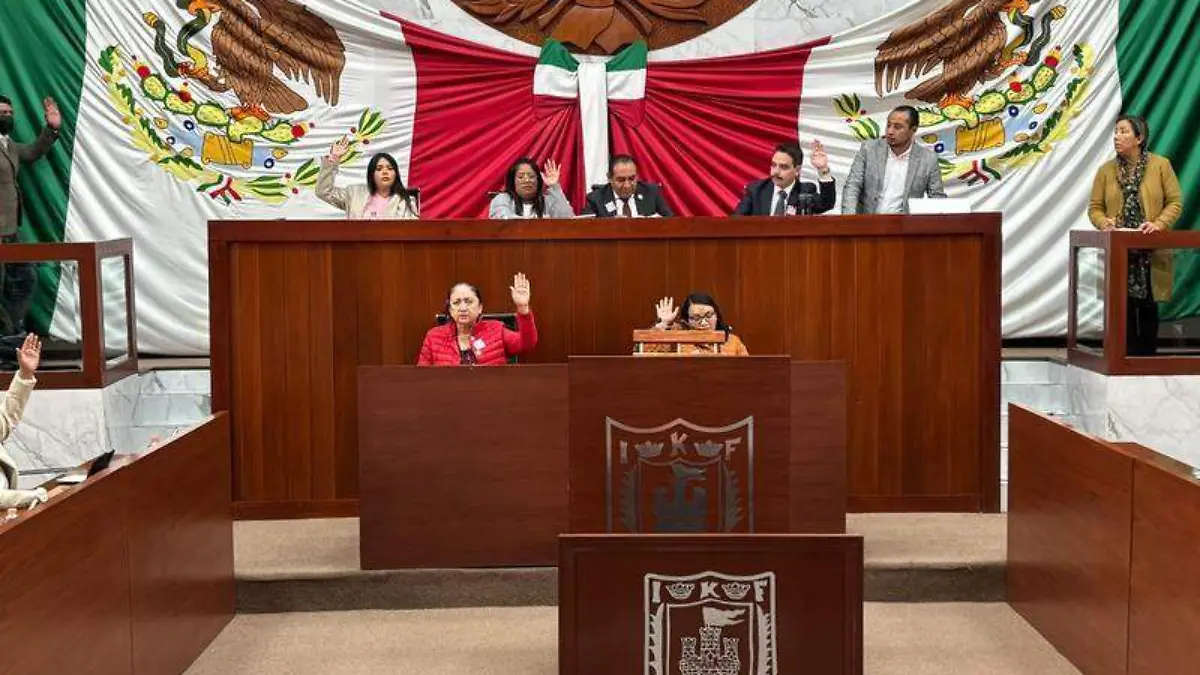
(64, 428)
(1159, 412)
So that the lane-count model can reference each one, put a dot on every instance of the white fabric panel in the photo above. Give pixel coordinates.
(116, 192)
(593, 112)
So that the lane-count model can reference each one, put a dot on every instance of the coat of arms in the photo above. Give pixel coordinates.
(995, 91)
(710, 624)
(215, 102)
(680, 477)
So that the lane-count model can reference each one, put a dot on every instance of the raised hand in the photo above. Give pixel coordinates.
(29, 356)
(53, 116)
(520, 293)
(550, 173)
(820, 160)
(339, 149)
(666, 311)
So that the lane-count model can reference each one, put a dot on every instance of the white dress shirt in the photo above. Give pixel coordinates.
(620, 204)
(895, 182)
(775, 196)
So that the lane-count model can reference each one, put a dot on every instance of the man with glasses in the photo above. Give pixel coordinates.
(624, 196)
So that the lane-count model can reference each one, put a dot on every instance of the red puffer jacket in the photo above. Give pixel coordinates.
(493, 342)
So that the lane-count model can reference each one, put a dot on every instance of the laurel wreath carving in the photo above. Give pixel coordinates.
(766, 648)
(628, 500)
(733, 498)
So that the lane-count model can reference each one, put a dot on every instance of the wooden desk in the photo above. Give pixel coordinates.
(910, 304)
(468, 467)
(130, 572)
(1164, 588)
(1069, 510)
(1102, 548)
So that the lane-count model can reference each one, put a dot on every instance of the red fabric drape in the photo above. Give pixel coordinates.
(475, 115)
(707, 126)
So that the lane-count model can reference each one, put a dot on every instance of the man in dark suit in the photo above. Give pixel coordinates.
(624, 196)
(783, 193)
(17, 279)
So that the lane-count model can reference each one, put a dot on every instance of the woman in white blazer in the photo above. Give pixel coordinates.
(383, 197)
(28, 358)
(530, 192)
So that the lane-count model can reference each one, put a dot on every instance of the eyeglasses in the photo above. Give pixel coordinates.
(707, 316)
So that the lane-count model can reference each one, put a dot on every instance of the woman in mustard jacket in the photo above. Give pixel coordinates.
(1138, 190)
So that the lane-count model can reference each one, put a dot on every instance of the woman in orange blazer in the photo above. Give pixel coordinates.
(1138, 190)
(699, 311)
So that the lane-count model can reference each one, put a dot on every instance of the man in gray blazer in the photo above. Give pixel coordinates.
(17, 279)
(889, 171)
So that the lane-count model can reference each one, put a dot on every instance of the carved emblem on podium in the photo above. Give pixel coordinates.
(679, 477)
(710, 624)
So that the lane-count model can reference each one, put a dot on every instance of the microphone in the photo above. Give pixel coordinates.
(805, 203)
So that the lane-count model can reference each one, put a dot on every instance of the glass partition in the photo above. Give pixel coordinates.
(1169, 326)
(56, 318)
(114, 309)
(1090, 279)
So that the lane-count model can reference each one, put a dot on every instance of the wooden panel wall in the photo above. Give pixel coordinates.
(180, 548)
(130, 573)
(66, 585)
(479, 480)
(1069, 512)
(910, 304)
(1164, 589)
(1102, 548)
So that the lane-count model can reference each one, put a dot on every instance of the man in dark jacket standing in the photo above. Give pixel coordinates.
(17, 279)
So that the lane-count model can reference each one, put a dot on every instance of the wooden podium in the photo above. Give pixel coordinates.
(730, 445)
(699, 604)
(468, 467)
(911, 305)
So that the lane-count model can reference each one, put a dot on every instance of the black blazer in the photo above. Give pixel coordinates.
(759, 197)
(648, 196)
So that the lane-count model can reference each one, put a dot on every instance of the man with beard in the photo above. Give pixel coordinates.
(889, 171)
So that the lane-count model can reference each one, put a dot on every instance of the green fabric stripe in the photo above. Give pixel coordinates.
(42, 51)
(1156, 43)
(632, 57)
(555, 54)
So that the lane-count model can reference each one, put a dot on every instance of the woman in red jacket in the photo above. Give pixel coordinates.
(467, 341)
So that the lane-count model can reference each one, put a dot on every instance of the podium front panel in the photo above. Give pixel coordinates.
(679, 444)
(462, 467)
(729, 604)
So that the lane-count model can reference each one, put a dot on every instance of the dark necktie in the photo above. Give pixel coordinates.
(625, 210)
(780, 203)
